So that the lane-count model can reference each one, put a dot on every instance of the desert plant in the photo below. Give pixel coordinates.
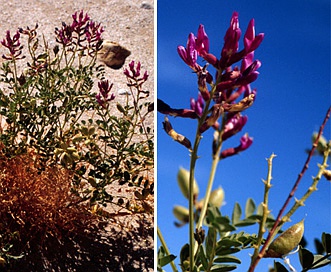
(64, 138)
(214, 238)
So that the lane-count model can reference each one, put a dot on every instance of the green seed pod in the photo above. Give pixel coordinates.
(181, 213)
(217, 197)
(286, 242)
(183, 178)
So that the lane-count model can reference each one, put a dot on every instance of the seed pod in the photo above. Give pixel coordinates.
(181, 213)
(183, 178)
(286, 242)
(216, 199)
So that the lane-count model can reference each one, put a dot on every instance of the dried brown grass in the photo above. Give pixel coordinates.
(38, 204)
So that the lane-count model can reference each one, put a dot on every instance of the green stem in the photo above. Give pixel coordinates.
(194, 157)
(207, 195)
(165, 247)
(266, 211)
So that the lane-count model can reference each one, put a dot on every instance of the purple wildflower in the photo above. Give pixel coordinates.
(103, 96)
(14, 46)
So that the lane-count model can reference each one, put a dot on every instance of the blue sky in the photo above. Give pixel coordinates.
(293, 95)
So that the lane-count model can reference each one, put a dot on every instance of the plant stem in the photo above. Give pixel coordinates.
(273, 232)
(159, 234)
(266, 211)
(194, 158)
(215, 162)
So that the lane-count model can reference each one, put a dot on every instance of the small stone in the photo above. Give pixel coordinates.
(146, 5)
(123, 92)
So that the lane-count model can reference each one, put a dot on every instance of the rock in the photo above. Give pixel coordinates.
(113, 54)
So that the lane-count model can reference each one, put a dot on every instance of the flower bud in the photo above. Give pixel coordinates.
(183, 178)
(181, 213)
(286, 242)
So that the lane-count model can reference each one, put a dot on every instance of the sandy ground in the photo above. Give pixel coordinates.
(128, 245)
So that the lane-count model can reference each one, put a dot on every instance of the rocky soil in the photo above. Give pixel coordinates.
(127, 244)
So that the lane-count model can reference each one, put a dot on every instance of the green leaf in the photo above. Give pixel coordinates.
(236, 214)
(320, 261)
(227, 243)
(222, 267)
(326, 241)
(279, 267)
(184, 253)
(306, 258)
(250, 207)
(211, 242)
(319, 246)
(260, 209)
(226, 251)
(227, 259)
(163, 261)
(246, 222)
(203, 258)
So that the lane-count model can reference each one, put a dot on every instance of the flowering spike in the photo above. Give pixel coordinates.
(135, 72)
(13, 44)
(103, 96)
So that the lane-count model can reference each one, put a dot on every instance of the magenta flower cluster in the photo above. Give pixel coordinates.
(104, 96)
(231, 91)
(14, 46)
(82, 32)
(134, 72)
